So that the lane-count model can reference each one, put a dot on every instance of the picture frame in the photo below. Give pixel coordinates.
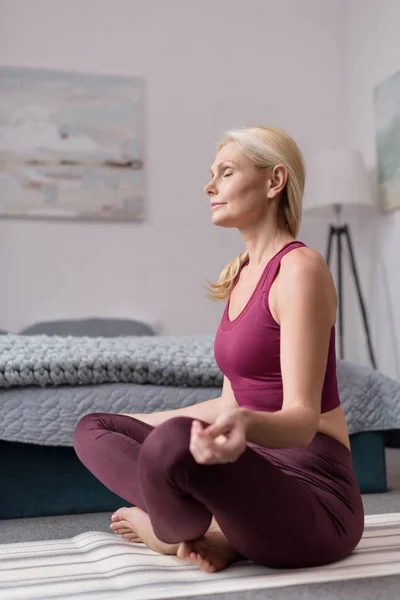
(387, 118)
(71, 145)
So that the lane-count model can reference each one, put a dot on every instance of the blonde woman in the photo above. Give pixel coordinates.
(263, 472)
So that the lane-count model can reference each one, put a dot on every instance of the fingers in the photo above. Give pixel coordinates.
(223, 424)
(222, 449)
(202, 446)
(221, 439)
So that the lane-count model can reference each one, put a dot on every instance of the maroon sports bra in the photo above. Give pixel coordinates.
(247, 350)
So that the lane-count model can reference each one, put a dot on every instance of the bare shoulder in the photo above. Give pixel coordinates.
(305, 264)
(305, 274)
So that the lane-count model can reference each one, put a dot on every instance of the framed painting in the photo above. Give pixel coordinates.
(71, 145)
(387, 118)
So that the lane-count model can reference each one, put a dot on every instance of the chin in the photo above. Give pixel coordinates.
(222, 222)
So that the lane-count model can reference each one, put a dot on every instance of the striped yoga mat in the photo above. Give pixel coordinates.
(97, 565)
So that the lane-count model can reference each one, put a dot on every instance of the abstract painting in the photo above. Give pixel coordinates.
(387, 116)
(71, 145)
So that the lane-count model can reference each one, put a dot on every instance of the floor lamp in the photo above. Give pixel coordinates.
(338, 184)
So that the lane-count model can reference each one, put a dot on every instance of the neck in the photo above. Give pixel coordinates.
(264, 245)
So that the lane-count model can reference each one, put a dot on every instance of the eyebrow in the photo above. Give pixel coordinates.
(223, 162)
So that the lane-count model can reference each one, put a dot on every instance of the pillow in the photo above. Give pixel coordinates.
(93, 327)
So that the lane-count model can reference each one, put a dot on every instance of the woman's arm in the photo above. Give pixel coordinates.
(304, 304)
(206, 411)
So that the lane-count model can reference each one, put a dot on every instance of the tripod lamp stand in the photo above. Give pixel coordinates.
(338, 184)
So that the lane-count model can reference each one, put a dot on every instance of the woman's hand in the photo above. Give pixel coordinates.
(223, 441)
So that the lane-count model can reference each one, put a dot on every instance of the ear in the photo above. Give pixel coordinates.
(276, 181)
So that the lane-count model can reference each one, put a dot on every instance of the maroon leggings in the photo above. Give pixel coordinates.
(288, 508)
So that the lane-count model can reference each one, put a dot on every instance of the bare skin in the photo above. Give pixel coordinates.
(211, 552)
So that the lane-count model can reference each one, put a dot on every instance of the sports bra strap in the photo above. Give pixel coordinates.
(275, 263)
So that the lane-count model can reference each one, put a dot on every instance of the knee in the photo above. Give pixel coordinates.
(167, 444)
(87, 424)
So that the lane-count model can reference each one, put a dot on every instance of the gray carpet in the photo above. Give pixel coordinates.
(385, 588)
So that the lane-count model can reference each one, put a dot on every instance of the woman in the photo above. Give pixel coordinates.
(264, 472)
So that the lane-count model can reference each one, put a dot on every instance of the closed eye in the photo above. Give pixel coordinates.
(225, 171)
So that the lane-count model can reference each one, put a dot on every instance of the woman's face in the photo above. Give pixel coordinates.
(237, 190)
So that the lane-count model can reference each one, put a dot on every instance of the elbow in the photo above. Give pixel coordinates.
(308, 430)
(307, 437)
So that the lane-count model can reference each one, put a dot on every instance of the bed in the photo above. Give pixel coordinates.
(123, 366)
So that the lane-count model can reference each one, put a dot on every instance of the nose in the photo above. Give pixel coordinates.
(209, 189)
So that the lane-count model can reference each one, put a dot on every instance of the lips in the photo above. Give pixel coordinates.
(217, 203)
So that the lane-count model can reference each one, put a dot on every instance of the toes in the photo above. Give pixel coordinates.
(127, 513)
(124, 530)
(189, 552)
(184, 550)
(119, 514)
(205, 564)
(131, 537)
(196, 558)
(209, 566)
(121, 524)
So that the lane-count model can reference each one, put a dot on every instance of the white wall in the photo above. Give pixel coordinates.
(372, 54)
(209, 65)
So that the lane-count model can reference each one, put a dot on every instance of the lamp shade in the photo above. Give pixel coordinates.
(337, 177)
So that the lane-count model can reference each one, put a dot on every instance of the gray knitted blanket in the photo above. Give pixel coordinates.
(43, 360)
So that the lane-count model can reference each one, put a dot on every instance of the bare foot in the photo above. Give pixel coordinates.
(211, 552)
(124, 523)
(123, 527)
(134, 524)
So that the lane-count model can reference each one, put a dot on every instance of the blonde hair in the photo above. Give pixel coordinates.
(266, 147)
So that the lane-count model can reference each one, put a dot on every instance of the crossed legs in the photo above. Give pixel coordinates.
(257, 506)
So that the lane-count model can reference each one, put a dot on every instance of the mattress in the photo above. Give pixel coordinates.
(48, 416)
